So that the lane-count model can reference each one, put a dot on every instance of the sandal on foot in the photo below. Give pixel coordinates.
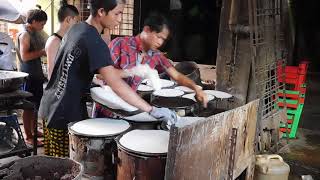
(30, 142)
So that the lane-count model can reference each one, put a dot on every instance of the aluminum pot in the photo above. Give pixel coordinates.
(11, 80)
(189, 69)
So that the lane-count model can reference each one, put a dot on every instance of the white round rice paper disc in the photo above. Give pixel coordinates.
(192, 96)
(218, 94)
(146, 141)
(144, 88)
(107, 97)
(168, 93)
(164, 83)
(100, 127)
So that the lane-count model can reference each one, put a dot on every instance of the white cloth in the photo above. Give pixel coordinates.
(144, 71)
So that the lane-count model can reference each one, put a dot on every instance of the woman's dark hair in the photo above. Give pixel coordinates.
(107, 5)
(66, 10)
(157, 21)
(36, 15)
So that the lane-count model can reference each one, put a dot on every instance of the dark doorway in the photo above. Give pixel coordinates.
(195, 27)
(307, 42)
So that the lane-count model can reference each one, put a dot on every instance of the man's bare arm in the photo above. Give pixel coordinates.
(24, 46)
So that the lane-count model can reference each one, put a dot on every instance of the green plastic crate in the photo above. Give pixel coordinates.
(296, 118)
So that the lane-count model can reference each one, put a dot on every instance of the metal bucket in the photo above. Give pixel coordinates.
(189, 69)
(149, 166)
(95, 153)
(139, 165)
(42, 167)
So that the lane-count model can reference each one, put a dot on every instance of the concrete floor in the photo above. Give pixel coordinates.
(303, 153)
(310, 118)
(40, 149)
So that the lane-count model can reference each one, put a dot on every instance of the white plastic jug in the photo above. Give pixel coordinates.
(271, 167)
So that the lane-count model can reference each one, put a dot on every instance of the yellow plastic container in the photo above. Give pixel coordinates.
(271, 167)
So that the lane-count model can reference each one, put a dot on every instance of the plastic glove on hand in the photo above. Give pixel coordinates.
(164, 114)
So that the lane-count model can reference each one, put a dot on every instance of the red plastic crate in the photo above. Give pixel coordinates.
(285, 130)
(294, 106)
(300, 69)
(291, 96)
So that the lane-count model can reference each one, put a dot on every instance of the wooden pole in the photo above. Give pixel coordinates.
(52, 16)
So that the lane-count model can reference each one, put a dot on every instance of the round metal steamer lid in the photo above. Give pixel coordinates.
(218, 94)
(12, 74)
(144, 88)
(164, 83)
(168, 93)
(141, 117)
(146, 141)
(99, 127)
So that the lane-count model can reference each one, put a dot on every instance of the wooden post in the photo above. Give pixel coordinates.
(52, 16)
(234, 52)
